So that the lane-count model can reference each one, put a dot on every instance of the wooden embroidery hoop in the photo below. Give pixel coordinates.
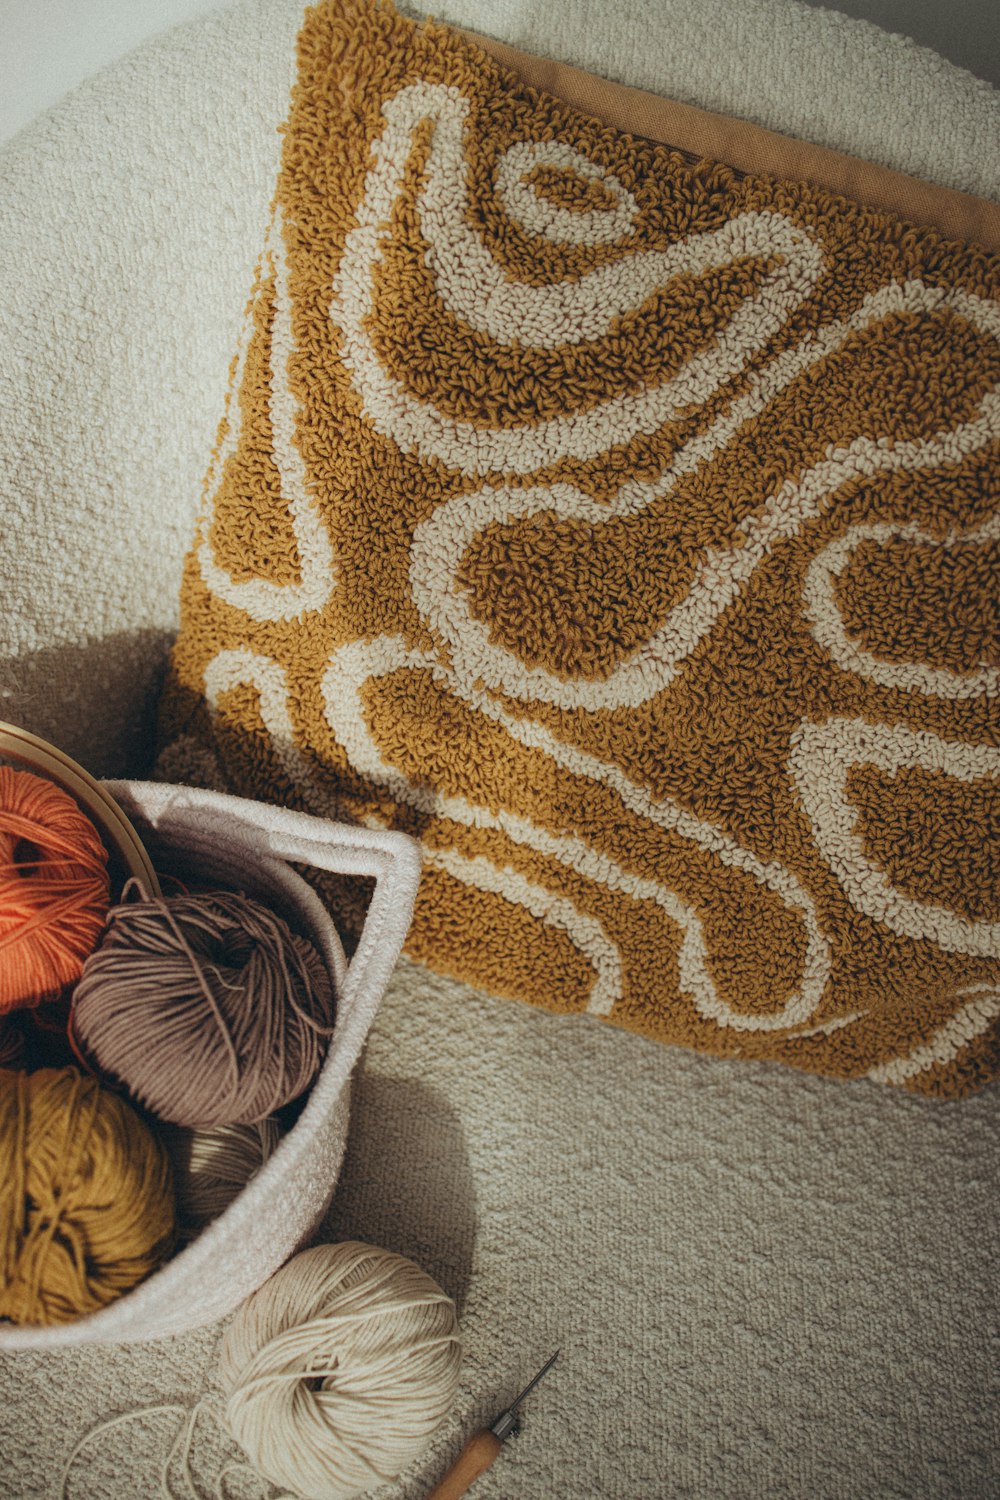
(127, 855)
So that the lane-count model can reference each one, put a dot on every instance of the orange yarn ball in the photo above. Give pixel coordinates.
(54, 889)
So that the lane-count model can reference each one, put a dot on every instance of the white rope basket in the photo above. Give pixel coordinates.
(250, 845)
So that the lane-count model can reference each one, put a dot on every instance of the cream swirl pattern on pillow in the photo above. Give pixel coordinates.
(627, 530)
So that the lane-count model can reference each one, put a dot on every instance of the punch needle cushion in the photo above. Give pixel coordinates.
(625, 527)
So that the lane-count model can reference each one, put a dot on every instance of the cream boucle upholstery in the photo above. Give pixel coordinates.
(763, 1284)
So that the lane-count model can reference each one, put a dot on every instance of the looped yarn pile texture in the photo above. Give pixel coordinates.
(624, 527)
(54, 888)
(86, 1197)
(207, 1008)
(339, 1369)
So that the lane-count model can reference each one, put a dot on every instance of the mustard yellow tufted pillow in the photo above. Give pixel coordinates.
(625, 527)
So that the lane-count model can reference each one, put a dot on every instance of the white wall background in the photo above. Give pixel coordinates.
(52, 45)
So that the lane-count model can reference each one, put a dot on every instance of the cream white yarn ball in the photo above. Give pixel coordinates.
(339, 1369)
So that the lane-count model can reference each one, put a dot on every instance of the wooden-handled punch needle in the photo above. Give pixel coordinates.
(483, 1447)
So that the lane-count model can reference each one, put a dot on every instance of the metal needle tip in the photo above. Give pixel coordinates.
(532, 1383)
(506, 1424)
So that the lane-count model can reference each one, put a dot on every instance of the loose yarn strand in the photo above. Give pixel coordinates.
(183, 1441)
(106, 1426)
(206, 990)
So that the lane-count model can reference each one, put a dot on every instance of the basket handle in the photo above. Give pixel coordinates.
(392, 859)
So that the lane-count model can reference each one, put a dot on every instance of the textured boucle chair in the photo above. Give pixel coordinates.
(762, 1283)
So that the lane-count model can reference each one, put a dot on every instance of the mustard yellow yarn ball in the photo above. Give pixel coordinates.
(86, 1196)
